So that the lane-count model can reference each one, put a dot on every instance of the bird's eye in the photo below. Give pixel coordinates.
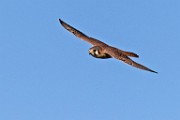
(96, 52)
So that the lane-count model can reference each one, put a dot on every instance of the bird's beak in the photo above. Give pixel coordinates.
(89, 53)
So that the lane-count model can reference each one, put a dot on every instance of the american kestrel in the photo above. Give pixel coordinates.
(102, 50)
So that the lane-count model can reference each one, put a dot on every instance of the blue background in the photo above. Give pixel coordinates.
(47, 74)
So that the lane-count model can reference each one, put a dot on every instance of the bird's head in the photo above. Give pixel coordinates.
(95, 51)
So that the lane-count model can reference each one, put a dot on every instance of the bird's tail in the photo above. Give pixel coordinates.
(131, 54)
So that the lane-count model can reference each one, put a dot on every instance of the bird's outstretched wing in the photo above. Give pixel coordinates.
(113, 52)
(80, 35)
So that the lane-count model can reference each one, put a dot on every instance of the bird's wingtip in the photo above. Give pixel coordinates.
(60, 21)
(154, 71)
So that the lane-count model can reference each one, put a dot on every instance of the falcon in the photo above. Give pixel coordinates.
(104, 51)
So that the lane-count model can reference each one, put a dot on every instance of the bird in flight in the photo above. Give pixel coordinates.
(103, 51)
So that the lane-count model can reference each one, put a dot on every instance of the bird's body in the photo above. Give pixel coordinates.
(104, 51)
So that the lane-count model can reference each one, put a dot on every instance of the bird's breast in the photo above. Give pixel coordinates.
(101, 56)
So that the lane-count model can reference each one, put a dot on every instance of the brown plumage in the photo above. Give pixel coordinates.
(102, 50)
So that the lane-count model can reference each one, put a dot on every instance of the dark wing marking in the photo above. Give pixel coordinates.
(121, 56)
(80, 35)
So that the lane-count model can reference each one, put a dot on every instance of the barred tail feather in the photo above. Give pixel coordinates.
(131, 54)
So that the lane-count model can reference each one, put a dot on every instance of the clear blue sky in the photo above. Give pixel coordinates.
(46, 73)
